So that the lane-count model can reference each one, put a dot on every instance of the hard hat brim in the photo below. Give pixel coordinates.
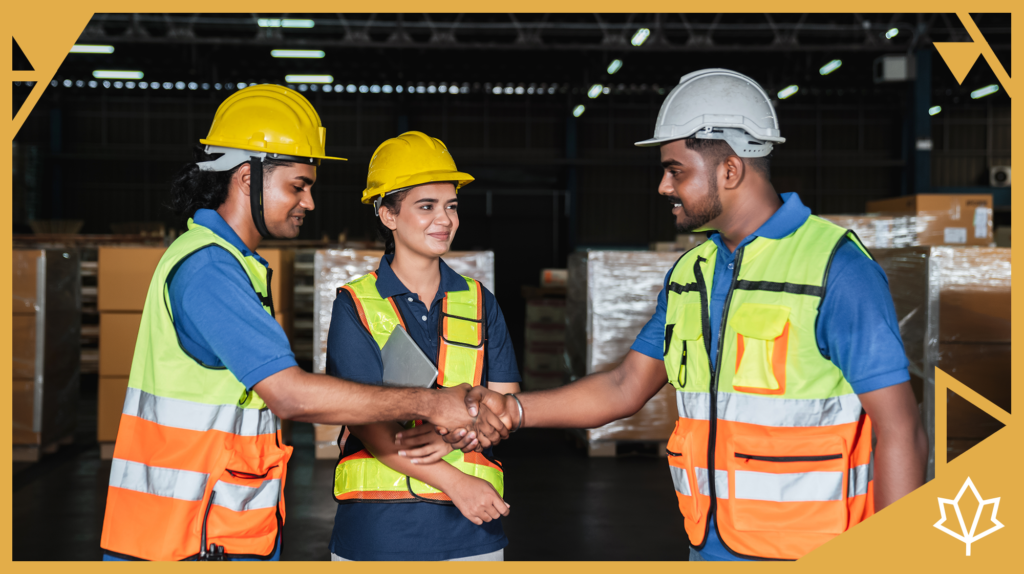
(264, 150)
(460, 179)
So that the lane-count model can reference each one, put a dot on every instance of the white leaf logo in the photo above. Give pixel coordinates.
(968, 536)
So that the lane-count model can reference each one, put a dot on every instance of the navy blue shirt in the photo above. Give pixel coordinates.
(857, 319)
(414, 530)
(219, 318)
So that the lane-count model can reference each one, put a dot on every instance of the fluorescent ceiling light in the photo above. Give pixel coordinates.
(891, 33)
(640, 36)
(285, 23)
(788, 91)
(117, 75)
(91, 49)
(309, 79)
(830, 67)
(986, 91)
(595, 91)
(578, 110)
(615, 66)
(934, 110)
(297, 53)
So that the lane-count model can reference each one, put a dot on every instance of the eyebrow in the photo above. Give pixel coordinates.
(426, 200)
(305, 179)
(670, 163)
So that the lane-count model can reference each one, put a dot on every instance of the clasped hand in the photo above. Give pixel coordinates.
(469, 418)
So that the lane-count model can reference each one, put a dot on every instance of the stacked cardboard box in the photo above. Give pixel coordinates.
(46, 331)
(282, 286)
(612, 295)
(926, 219)
(543, 363)
(332, 268)
(953, 308)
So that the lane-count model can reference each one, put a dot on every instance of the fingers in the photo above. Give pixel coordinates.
(473, 398)
(498, 404)
(415, 436)
(428, 454)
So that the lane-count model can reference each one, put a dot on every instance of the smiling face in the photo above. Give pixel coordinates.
(690, 182)
(426, 221)
(287, 196)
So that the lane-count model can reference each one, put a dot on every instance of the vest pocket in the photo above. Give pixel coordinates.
(685, 355)
(684, 479)
(762, 343)
(787, 484)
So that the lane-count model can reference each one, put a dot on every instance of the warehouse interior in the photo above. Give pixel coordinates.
(543, 109)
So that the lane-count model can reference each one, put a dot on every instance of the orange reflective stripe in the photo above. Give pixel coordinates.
(478, 458)
(157, 445)
(359, 306)
(152, 514)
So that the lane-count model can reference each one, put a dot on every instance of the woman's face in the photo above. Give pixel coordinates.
(427, 219)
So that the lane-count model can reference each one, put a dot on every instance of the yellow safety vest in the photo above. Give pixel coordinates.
(360, 477)
(773, 442)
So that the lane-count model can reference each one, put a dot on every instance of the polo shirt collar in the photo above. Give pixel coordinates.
(787, 219)
(213, 221)
(389, 285)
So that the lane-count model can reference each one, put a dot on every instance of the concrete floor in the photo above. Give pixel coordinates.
(565, 506)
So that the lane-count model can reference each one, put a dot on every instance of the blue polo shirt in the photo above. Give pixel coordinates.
(219, 318)
(414, 530)
(857, 319)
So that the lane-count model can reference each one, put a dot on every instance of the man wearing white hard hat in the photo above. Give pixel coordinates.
(780, 337)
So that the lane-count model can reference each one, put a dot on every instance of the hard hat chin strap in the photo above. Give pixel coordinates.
(256, 196)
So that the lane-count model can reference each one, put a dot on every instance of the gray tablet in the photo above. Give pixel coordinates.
(405, 364)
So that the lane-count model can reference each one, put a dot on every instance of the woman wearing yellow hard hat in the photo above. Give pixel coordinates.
(451, 501)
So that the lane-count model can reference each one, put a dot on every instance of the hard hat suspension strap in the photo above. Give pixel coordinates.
(256, 196)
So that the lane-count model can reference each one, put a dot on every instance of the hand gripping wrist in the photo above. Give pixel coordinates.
(520, 405)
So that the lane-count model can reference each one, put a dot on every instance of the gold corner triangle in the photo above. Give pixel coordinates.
(959, 56)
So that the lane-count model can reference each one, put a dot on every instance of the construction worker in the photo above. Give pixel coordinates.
(199, 465)
(780, 337)
(453, 500)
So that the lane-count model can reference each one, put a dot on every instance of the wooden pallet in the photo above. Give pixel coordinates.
(613, 448)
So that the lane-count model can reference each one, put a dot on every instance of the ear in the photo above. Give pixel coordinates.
(388, 218)
(240, 179)
(731, 172)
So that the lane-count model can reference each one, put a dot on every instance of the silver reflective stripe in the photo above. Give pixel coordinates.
(860, 476)
(240, 498)
(679, 479)
(166, 482)
(721, 482)
(793, 487)
(696, 406)
(190, 415)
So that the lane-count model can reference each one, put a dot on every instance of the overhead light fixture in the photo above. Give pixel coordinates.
(934, 110)
(788, 91)
(297, 53)
(91, 49)
(117, 74)
(891, 33)
(308, 79)
(986, 91)
(830, 67)
(578, 110)
(595, 91)
(639, 37)
(615, 66)
(285, 23)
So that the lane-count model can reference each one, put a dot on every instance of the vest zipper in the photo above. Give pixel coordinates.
(713, 431)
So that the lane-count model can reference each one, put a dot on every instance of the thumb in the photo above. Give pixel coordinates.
(473, 402)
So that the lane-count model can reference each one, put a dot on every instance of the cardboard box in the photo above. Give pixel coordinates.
(118, 334)
(22, 410)
(323, 433)
(282, 280)
(124, 275)
(943, 219)
(546, 311)
(25, 269)
(110, 405)
(554, 277)
(327, 450)
(985, 368)
(287, 321)
(24, 346)
(979, 315)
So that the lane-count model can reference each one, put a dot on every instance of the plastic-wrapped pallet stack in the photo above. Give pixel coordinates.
(332, 268)
(612, 295)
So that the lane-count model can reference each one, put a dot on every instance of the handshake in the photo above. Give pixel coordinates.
(472, 418)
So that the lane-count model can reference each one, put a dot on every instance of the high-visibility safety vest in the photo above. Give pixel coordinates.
(360, 477)
(773, 442)
(198, 460)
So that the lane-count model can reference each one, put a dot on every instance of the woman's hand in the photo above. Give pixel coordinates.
(476, 499)
(422, 444)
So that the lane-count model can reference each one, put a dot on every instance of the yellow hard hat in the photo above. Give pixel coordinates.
(270, 119)
(411, 159)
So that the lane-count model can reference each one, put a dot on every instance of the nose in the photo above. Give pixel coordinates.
(306, 200)
(665, 186)
(444, 219)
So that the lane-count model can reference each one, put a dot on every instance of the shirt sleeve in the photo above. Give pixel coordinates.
(651, 340)
(352, 354)
(215, 307)
(501, 356)
(857, 326)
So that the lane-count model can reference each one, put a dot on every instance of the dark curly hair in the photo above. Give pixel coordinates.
(193, 189)
(393, 201)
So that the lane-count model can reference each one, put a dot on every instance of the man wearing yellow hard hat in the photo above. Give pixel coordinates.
(443, 504)
(199, 466)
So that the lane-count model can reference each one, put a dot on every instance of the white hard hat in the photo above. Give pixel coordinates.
(719, 104)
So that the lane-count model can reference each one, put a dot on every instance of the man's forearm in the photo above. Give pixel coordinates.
(899, 465)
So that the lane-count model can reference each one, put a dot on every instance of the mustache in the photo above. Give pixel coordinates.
(673, 200)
